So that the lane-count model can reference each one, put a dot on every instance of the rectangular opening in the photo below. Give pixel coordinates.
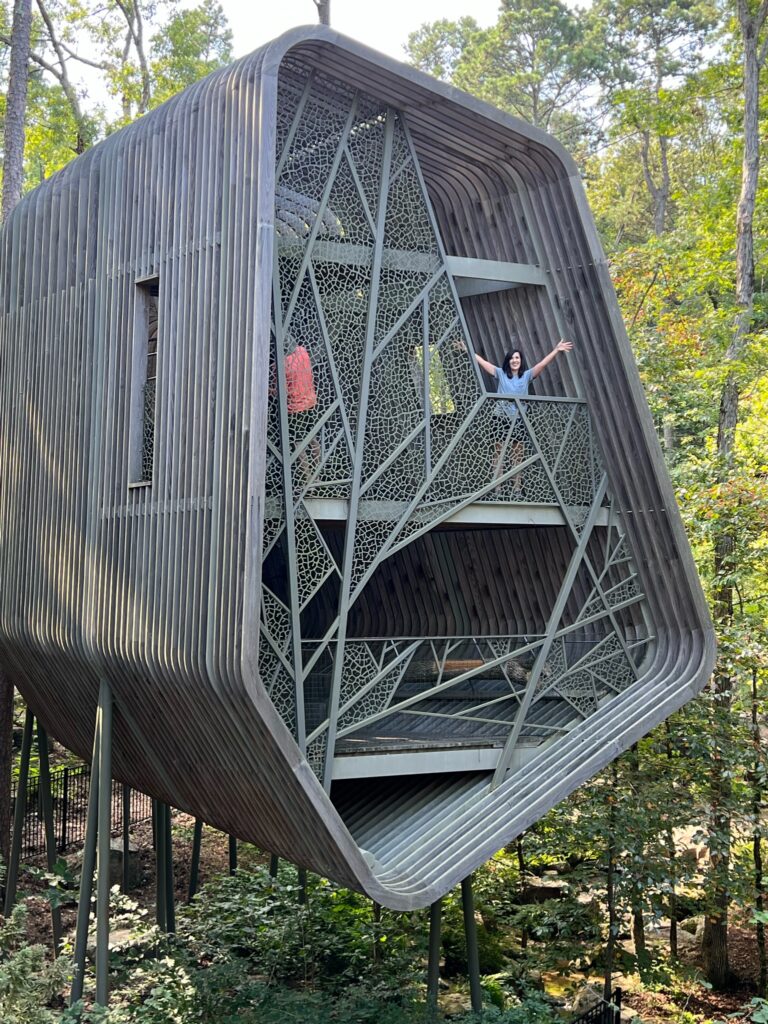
(439, 394)
(144, 382)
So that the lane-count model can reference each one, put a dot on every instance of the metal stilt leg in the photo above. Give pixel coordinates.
(470, 932)
(433, 963)
(46, 801)
(194, 870)
(19, 812)
(126, 838)
(232, 855)
(376, 913)
(170, 889)
(86, 874)
(102, 849)
(161, 877)
(274, 860)
(302, 886)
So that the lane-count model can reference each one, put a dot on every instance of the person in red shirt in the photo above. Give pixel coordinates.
(299, 381)
(301, 403)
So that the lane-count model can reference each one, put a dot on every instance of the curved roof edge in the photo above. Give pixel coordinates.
(269, 57)
(275, 51)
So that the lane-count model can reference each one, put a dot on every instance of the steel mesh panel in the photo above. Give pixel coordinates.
(365, 291)
(277, 619)
(148, 434)
(365, 148)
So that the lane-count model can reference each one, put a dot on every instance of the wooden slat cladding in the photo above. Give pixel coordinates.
(158, 586)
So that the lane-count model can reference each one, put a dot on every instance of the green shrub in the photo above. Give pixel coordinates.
(29, 981)
(489, 950)
(329, 942)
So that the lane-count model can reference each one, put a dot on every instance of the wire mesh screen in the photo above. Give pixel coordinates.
(376, 402)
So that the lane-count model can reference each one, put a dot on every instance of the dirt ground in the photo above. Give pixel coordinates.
(214, 860)
(661, 1007)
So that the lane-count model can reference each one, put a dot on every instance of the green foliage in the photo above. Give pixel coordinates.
(438, 47)
(246, 951)
(534, 1009)
(553, 921)
(29, 980)
(193, 43)
(329, 942)
(536, 62)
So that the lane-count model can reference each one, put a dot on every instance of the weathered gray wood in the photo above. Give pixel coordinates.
(379, 581)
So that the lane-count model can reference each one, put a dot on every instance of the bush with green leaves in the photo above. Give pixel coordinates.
(29, 980)
(332, 941)
(534, 1009)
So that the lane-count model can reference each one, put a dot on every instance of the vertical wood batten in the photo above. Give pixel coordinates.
(163, 582)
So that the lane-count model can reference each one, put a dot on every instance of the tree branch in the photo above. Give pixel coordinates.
(100, 66)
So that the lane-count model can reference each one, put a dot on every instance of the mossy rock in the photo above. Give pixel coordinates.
(489, 948)
(688, 905)
(691, 924)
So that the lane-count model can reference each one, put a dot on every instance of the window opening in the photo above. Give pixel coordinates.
(440, 397)
(144, 382)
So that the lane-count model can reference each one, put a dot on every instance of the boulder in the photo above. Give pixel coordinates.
(586, 998)
(116, 862)
(455, 1004)
(691, 924)
(688, 941)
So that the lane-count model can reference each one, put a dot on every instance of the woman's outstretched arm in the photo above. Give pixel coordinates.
(483, 363)
(561, 346)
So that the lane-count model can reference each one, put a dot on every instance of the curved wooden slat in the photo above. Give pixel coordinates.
(160, 585)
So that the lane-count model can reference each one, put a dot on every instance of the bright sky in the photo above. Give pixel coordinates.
(383, 24)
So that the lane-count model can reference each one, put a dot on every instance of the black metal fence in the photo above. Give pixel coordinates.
(69, 793)
(604, 1012)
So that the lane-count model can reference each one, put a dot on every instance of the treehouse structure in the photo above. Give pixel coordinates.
(352, 605)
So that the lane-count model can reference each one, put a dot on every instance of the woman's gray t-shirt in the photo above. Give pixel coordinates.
(517, 386)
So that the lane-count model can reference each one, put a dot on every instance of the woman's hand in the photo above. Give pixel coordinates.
(561, 346)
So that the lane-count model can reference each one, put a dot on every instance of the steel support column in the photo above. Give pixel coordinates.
(433, 962)
(161, 836)
(102, 852)
(194, 868)
(19, 811)
(170, 889)
(46, 801)
(302, 886)
(470, 932)
(86, 872)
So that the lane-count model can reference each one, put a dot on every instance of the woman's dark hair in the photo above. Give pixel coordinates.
(508, 358)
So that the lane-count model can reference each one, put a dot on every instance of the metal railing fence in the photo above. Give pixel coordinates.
(605, 1012)
(69, 793)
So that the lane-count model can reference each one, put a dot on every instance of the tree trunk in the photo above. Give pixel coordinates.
(757, 843)
(13, 178)
(659, 193)
(16, 106)
(323, 11)
(715, 944)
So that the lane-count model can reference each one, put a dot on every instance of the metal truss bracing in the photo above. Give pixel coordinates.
(351, 606)
(404, 433)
